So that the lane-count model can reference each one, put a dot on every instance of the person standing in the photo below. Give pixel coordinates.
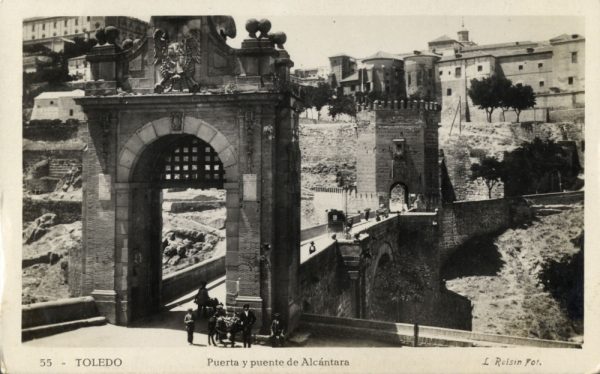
(276, 331)
(247, 319)
(189, 322)
(202, 300)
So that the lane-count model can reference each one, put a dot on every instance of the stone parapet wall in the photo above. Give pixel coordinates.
(403, 334)
(52, 312)
(325, 285)
(184, 281)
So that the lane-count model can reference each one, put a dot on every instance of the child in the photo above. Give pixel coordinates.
(189, 326)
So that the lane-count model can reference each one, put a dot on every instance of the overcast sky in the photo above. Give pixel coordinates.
(312, 39)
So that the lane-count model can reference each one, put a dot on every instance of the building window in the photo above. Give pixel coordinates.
(66, 22)
(76, 21)
(520, 67)
(441, 72)
(430, 72)
(71, 112)
(540, 64)
(449, 72)
(32, 37)
(409, 78)
(457, 72)
(419, 78)
(54, 24)
(51, 102)
(65, 32)
(88, 18)
(570, 80)
(479, 68)
(449, 92)
(43, 26)
(76, 31)
(541, 83)
(574, 57)
(43, 36)
(53, 34)
(353, 88)
(84, 29)
(32, 27)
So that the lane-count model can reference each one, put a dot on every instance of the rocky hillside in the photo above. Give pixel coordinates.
(194, 231)
(477, 139)
(505, 282)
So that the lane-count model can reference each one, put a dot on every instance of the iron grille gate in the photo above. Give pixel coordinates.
(190, 161)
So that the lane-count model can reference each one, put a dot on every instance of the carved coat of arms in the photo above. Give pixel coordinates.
(177, 61)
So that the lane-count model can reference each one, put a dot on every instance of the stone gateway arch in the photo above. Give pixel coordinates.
(183, 89)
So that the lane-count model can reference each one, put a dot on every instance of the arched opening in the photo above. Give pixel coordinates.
(399, 198)
(176, 192)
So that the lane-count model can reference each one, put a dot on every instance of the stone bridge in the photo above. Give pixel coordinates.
(351, 276)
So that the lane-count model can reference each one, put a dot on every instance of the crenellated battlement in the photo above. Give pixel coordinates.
(399, 105)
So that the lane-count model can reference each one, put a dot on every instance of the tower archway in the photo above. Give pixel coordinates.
(399, 197)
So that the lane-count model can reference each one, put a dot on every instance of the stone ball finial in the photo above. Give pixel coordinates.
(252, 27)
(101, 36)
(264, 26)
(278, 38)
(127, 43)
(112, 34)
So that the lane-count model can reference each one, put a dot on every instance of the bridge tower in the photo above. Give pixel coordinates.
(398, 146)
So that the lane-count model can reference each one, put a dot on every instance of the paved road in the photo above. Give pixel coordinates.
(162, 330)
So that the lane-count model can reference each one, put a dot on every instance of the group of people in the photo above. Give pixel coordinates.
(244, 321)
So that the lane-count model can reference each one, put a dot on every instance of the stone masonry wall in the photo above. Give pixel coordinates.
(325, 286)
(464, 220)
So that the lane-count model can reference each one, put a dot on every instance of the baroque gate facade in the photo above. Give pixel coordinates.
(183, 89)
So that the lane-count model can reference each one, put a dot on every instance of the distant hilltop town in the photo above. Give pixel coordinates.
(555, 69)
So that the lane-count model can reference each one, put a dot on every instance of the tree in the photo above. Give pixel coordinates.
(78, 47)
(491, 170)
(487, 93)
(539, 167)
(520, 97)
(342, 105)
(321, 96)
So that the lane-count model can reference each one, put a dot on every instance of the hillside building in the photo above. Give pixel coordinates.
(555, 69)
(54, 32)
(311, 76)
(58, 105)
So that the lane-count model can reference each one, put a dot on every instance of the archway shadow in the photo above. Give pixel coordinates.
(170, 319)
(477, 256)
